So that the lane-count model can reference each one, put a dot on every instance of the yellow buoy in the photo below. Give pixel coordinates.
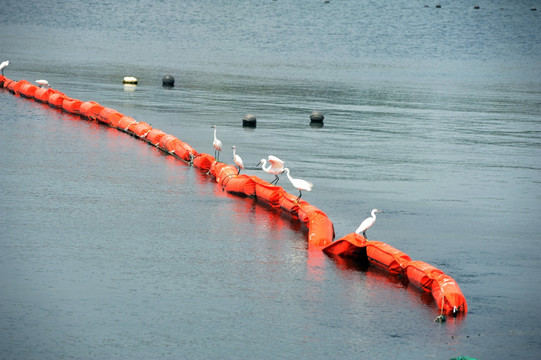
(130, 80)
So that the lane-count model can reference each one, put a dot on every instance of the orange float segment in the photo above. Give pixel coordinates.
(241, 184)
(72, 106)
(42, 94)
(448, 296)
(167, 142)
(56, 99)
(305, 209)
(140, 128)
(267, 193)
(110, 116)
(387, 257)
(226, 173)
(223, 173)
(321, 230)
(320, 227)
(154, 136)
(90, 110)
(216, 167)
(289, 203)
(203, 161)
(95, 111)
(422, 274)
(8, 85)
(126, 124)
(2, 79)
(184, 151)
(351, 245)
(84, 109)
(15, 87)
(27, 90)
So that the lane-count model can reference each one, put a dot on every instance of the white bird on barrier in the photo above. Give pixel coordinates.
(42, 83)
(367, 223)
(4, 65)
(217, 145)
(276, 166)
(299, 184)
(237, 159)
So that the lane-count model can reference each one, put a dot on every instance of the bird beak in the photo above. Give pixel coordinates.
(259, 163)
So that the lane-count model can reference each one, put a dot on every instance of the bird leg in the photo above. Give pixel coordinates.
(275, 181)
(298, 198)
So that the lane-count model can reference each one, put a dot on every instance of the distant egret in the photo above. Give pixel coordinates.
(42, 83)
(299, 184)
(4, 65)
(237, 159)
(217, 145)
(276, 166)
(367, 223)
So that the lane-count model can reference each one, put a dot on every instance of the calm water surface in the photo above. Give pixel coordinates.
(111, 249)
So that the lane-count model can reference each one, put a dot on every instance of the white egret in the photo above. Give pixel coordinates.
(299, 184)
(237, 159)
(367, 223)
(276, 166)
(217, 145)
(3, 65)
(42, 83)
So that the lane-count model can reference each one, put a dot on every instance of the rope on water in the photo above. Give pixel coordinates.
(441, 318)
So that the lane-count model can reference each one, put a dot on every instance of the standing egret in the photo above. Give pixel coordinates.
(367, 223)
(217, 144)
(276, 166)
(4, 65)
(42, 83)
(299, 184)
(237, 159)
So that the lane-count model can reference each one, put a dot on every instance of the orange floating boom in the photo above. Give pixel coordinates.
(445, 290)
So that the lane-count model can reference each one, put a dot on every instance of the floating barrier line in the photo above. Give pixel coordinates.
(321, 234)
(426, 277)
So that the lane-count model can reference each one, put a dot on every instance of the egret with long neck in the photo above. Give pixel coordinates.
(299, 184)
(3, 65)
(237, 159)
(367, 223)
(276, 167)
(217, 144)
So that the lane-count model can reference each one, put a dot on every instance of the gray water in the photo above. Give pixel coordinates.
(111, 249)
